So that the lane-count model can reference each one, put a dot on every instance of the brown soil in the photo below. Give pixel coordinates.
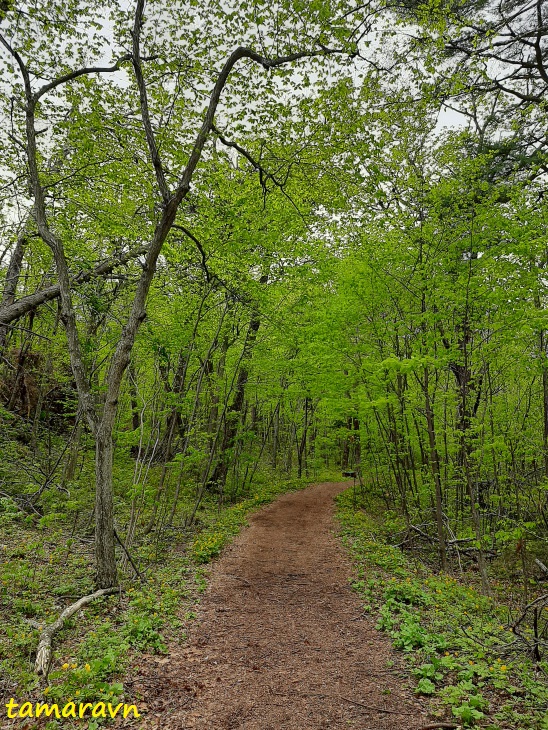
(280, 641)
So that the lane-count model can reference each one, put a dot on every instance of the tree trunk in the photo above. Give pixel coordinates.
(435, 467)
(275, 436)
(351, 446)
(476, 523)
(10, 285)
(234, 412)
(74, 450)
(301, 446)
(160, 488)
(135, 413)
(105, 555)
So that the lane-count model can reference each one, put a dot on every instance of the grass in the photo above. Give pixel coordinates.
(455, 640)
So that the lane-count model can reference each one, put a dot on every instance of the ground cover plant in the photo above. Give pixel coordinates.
(458, 644)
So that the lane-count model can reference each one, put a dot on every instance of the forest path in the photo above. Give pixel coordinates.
(280, 641)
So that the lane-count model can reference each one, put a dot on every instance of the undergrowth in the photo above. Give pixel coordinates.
(456, 642)
(45, 565)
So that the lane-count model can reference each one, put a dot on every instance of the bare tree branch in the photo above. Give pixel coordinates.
(198, 246)
(22, 306)
(80, 72)
(151, 141)
(240, 53)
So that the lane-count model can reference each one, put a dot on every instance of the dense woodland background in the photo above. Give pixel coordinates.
(323, 251)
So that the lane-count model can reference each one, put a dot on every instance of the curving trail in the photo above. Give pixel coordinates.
(280, 642)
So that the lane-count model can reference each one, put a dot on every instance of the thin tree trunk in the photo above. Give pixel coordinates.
(301, 446)
(275, 436)
(544, 402)
(72, 460)
(161, 483)
(11, 281)
(476, 524)
(435, 467)
(234, 412)
(106, 572)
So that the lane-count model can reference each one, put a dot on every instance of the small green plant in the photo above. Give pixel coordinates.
(88, 682)
(142, 633)
(9, 511)
(407, 594)
(467, 713)
(429, 671)
(425, 687)
(410, 635)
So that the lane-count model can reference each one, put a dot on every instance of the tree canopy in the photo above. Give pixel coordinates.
(241, 240)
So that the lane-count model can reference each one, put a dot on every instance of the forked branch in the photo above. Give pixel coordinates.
(43, 652)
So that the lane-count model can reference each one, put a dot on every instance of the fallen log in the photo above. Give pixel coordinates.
(43, 652)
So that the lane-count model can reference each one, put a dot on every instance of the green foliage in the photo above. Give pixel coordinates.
(467, 713)
(430, 671)
(409, 635)
(406, 594)
(87, 683)
(450, 633)
(347, 283)
(425, 686)
(9, 511)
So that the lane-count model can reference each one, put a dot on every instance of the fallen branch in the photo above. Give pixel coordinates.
(43, 652)
(434, 725)
(128, 556)
(422, 533)
(541, 565)
(540, 599)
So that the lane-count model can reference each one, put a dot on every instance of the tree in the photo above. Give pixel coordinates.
(79, 93)
(487, 60)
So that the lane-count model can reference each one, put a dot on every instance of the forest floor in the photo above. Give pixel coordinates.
(280, 640)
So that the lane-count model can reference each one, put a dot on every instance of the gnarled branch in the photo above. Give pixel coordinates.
(43, 652)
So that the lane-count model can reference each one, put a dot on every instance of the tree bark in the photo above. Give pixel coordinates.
(12, 279)
(105, 555)
(435, 467)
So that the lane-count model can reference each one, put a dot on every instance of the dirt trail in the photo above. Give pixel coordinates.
(280, 641)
